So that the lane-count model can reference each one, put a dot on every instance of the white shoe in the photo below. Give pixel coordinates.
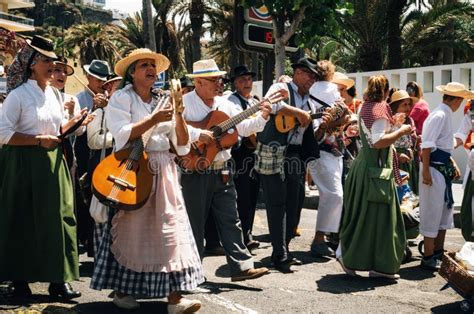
(376, 274)
(184, 306)
(127, 302)
(348, 271)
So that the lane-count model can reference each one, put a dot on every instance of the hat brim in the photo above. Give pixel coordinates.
(49, 54)
(118, 78)
(69, 69)
(348, 83)
(243, 74)
(161, 62)
(466, 94)
(207, 74)
(413, 99)
(303, 65)
(102, 78)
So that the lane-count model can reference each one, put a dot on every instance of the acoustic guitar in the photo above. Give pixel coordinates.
(224, 133)
(123, 180)
(285, 123)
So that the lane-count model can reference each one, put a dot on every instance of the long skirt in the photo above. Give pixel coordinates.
(372, 234)
(167, 230)
(37, 223)
(412, 169)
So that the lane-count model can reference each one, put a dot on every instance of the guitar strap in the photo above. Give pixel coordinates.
(322, 103)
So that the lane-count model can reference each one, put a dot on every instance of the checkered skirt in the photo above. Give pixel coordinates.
(109, 274)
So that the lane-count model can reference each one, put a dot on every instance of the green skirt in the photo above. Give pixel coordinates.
(412, 170)
(372, 235)
(37, 223)
(466, 210)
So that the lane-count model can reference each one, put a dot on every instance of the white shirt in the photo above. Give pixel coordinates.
(77, 108)
(327, 92)
(379, 128)
(30, 110)
(465, 128)
(295, 137)
(125, 109)
(251, 101)
(196, 110)
(438, 130)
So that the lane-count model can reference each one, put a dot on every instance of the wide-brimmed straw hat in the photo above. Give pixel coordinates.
(43, 46)
(341, 78)
(455, 89)
(161, 62)
(99, 69)
(63, 62)
(400, 95)
(206, 68)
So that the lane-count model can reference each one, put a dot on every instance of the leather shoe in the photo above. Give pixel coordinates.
(295, 261)
(251, 273)
(63, 291)
(21, 289)
(284, 265)
(252, 245)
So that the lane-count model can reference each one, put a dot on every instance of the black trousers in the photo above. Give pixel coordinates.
(284, 201)
(247, 188)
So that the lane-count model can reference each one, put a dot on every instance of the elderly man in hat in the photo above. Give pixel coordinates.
(280, 165)
(437, 171)
(212, 190)
(92, 98)
(243, 156)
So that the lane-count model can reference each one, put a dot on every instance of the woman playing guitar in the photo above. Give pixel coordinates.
(154, 243)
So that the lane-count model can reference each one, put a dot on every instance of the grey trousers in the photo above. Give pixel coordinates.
(205, 192)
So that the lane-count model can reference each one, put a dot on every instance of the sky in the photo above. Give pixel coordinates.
(127, 6)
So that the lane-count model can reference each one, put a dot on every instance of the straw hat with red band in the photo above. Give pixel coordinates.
(455, 89)
(341, 78)
(161, 62)
(400, 95)
(206, 68)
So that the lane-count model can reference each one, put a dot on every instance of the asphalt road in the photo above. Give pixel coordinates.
(317, 286)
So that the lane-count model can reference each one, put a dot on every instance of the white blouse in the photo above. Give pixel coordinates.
(379, 128)
(125, 109)
(197, 110)
(77, 108)
(30, 110)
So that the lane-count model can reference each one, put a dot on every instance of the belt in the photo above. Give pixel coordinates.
(218, 165)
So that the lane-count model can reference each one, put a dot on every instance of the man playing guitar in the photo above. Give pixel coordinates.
(213, 189)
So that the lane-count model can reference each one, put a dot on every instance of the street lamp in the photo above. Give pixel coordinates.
(64, 14)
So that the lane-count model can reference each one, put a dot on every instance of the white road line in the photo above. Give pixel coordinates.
(228, 304)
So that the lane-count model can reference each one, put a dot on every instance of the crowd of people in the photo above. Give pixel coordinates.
(366, 157)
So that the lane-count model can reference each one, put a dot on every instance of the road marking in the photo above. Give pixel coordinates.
(228, 304)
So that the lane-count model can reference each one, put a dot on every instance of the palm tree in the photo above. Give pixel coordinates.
(133, 30)
(96, 41)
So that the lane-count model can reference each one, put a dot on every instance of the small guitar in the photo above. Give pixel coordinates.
(285, 123)
(123, 179)
(225, 135)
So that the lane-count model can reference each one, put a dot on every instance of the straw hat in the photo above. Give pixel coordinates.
(402, 94)
(162, 63)
(341, 78)
(206, 68)
(63, 62)
(455, 89)
(42, 45)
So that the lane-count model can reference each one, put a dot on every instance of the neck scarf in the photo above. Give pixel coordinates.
(18, 71)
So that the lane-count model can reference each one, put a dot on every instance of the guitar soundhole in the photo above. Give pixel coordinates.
(217, 131)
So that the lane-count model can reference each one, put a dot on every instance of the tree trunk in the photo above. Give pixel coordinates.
(394, 12)
(148, 25)
(370, 58)
(197, 18)
(254, 67)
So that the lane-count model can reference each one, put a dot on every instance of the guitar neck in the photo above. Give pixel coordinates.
(230, 123)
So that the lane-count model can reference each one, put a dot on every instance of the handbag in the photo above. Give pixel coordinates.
(97, 133)
(98, 211)
(380, 178)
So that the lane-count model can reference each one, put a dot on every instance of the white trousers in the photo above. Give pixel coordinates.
(434, 212)
(327, 175)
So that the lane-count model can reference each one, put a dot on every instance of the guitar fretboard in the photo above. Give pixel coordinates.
(230, 123)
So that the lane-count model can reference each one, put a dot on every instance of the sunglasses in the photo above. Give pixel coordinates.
(214, 80)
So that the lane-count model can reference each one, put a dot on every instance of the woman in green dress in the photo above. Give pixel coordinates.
(372, 231)
(37, 224)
